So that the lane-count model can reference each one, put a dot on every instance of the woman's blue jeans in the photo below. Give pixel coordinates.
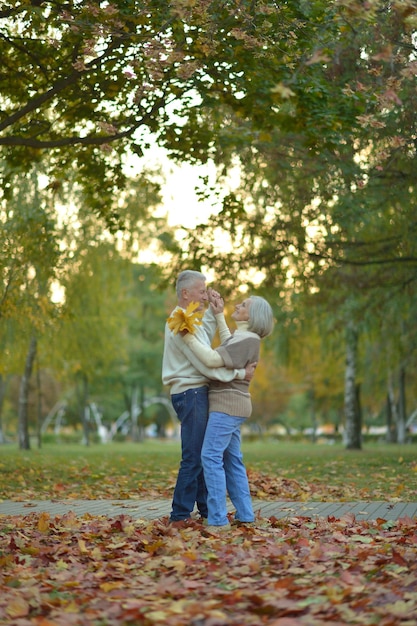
(224, 470)
(191, 407)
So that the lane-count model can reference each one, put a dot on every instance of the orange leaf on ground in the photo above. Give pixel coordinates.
(18, 607)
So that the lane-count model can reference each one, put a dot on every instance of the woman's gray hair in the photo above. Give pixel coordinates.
(186, 280)
(261, 316)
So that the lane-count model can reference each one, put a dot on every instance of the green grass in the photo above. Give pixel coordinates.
(276, 469)
(376, 472)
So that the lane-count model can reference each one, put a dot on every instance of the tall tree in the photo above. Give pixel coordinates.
(146, 315)
(86, 81)
(352, 412)
(326, 203)
(29, 264)
(327, 185)
(23, 424)
(92, 334)
(3, 385)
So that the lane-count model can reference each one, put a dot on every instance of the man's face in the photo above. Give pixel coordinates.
(197, 293)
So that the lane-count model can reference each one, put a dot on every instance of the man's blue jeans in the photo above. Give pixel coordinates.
(224, 470)
(191, 408)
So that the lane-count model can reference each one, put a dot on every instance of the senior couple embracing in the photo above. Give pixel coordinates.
(210, 394)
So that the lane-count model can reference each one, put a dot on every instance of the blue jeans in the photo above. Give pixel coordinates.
(191, 408)
(224, 471)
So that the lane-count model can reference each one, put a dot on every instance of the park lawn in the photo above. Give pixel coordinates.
(277, 470)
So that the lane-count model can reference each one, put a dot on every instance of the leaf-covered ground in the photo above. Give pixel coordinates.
(263, 487)
(97, 571)
(267, 487)
(278, 471)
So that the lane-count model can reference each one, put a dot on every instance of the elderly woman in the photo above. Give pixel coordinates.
(229, 406)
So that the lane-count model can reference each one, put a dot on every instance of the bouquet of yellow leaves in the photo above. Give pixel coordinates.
(185, 320)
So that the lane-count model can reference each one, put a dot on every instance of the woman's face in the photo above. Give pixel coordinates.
(241, 312)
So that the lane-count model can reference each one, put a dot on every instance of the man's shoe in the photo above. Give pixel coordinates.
(182, 523)
(238, 522)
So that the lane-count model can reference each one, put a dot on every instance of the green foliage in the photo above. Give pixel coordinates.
(86, 82)
(86, 340)
(30, 254)
(111, 330)
(325, 209)
(93, 321)
(316, 102)
(327, 193)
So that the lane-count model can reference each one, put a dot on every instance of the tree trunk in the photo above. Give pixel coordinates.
(358, 409)
(2, 394)
(392, 413)
(84, 408)
(312, 402)
(390, 426)
(39, 404)
(134, 413)
(142, 412)
(352, 414)
(401, 418)
(23, 425)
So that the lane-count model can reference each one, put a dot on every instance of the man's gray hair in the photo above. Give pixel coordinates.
(261, 316)
(186, 280)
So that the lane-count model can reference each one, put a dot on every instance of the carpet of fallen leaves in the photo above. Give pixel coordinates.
(99, 571)
(90, 485)
(268, 487)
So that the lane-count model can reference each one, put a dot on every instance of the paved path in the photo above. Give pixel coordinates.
(153, 509)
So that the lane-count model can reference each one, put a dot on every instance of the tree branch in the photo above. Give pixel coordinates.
(58, 86)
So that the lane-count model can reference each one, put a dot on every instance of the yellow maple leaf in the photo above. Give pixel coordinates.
(82, 546)
(185, 320)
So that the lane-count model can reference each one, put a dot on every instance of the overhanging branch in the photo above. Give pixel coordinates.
(58, 86)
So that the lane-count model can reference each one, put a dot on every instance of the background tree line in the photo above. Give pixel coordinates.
(311, 101)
